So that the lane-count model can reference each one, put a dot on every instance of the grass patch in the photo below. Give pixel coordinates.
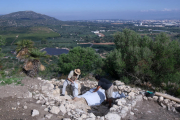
(7, 81)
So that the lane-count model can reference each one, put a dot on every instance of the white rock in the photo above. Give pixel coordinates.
(98, 117)
(47, 103)
(51, 102)
(173, 109)
(155, 98)
(102, 118)
(48, 116)
(18, 103)
(91, 115)
(128, 97)
(139, 98)
(170, 107)
(117, 82)
(78, 111)
(43, 88)
(39, 78)
(13, 108)
(29, 95)
(66, 119)
(166, 101)
(112, 116)
(112, 109)
(83, 116)
(90, 118)
(132, 94)
(131, 113)
(164, 106)
(150, 98)
(124, 110)
(54, 110)
(120, 101)
(149, 111)
(161, 99)
(115, 88)
(62, 109)
(145, 98)
(79, 119)
(39, 101)
(51, 86)
(46, 109)
(25, 107)
(35, 112)
(35, 87)
(135, 109)
(133, 103)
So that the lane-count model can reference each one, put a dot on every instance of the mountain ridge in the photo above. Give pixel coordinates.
(27, 18)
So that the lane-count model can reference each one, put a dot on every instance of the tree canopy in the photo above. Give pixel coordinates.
(85, 59)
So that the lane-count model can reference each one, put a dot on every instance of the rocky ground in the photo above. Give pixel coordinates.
(40, 100)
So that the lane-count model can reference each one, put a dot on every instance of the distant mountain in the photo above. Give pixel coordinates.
(27, 18)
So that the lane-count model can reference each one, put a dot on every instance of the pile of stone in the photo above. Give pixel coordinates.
(49, 97)
(163, 102)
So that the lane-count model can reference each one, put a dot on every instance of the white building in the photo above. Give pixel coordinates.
(96, 32)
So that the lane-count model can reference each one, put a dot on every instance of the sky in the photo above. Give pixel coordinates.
(96, 9)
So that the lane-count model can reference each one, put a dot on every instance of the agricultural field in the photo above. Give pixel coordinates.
(12, 34)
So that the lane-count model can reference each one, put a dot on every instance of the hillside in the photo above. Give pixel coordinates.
(27, 18)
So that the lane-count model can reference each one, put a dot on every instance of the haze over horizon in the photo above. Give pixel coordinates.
(97, 9)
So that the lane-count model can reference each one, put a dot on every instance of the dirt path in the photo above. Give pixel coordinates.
(150, 110)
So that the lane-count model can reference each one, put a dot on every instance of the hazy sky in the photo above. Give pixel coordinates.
(96, 9)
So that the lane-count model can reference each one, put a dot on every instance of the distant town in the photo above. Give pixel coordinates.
(145, 23)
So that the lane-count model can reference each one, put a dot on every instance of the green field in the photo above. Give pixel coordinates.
(32, 33)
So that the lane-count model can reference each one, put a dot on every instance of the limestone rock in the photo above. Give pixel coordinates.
(101, 118)
(131, 113)
(161, 99)
(62, 109)
(132, 94)
(117, 82)
(91, 115)
(43, 88)
(39, 78)
(120, 101)
(48, 116)
(35, 112)
(83, 116)
(25, 107)
(150, 98)
(164, 106)
(46, 109)
(54, 110)
(139, 98)
(112, 116)
(155, 98)
(145, 98)
(66, 119)
(166, 101)
(29, 95)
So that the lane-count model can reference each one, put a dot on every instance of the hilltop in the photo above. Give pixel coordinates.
(27, 18)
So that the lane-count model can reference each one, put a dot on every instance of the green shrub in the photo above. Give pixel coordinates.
(144, 59)
(85, 59)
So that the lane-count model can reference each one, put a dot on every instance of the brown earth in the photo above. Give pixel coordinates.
(11, 95)
(150, 110)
